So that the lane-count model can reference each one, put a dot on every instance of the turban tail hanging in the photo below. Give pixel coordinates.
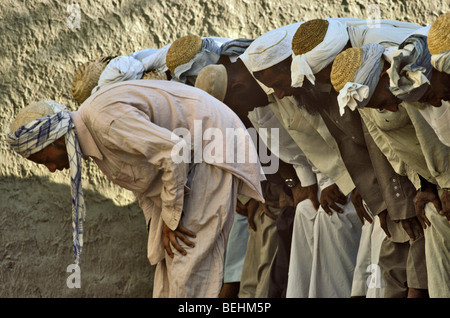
(40, 133)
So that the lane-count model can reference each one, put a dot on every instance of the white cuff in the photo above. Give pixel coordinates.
(306, 176)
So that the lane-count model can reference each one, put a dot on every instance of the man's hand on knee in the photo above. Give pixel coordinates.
(171, 237)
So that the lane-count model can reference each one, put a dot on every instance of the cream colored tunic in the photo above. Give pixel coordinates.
(439, 119)
(413, 149)
(410, 144)
(314, 139)
(127, 129)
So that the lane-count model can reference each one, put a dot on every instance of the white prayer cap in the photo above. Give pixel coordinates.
(269, 49)
(213, 79)
(33, 111)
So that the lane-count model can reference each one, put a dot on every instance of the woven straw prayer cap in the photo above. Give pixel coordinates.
(33, 111)
(86, 78)
(213, 79)
(345, 66)
(154, 75)
(439, 35)
(309, 35)
(182, 51)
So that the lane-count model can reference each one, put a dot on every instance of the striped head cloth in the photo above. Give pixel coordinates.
(411, 69)
(36, 127)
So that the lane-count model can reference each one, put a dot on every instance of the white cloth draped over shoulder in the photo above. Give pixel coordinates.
(121, 68)
(133, 66)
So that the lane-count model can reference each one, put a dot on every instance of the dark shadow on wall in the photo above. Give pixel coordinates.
(36, 243)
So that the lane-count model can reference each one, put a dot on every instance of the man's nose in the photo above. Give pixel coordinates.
(51, 167)
(280, 93)
(391, 107)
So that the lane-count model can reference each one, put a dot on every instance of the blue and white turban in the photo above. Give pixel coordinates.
(209, 54)
(235, 47)
(441, 61)
(411, 69)
(39, 133)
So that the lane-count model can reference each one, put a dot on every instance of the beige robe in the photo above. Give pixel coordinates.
(131, 129)
(413, 149)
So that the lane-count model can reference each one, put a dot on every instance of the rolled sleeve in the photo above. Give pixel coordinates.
(306, 176)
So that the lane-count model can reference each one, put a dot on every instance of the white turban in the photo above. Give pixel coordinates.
(411, 69)
(119, 69)
(357, 94)
(156, 61)
(320, 56)
(268, 50)
(209, 54)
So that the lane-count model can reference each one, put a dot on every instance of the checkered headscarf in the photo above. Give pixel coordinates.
(41, 132)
